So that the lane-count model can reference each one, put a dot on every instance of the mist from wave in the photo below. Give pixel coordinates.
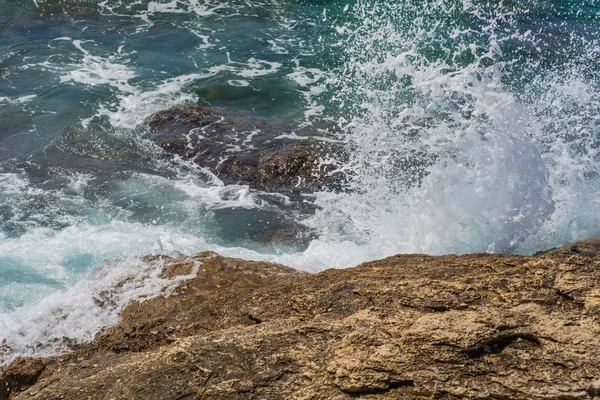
(471, 132)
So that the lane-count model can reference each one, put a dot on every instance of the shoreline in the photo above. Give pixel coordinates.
(407, 326)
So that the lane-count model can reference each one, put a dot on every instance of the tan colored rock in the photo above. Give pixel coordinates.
(406, 327)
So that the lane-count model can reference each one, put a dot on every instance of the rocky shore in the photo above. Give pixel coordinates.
(406, 327)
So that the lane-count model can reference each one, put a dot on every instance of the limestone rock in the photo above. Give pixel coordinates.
(405, 327)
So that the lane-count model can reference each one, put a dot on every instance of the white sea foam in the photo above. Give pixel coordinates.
(147, 11)
(276, 47)
(133, 103)
(211, 195)
(238, 82)
(257, 67)
(78, 314)
(96, 70)
(12, 183)
(18, 100)
(313, 83)
(132, 108)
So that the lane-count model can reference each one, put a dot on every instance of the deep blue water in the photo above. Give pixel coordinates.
(471, 126)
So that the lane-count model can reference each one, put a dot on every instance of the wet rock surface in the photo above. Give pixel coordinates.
(242, 149)
(405, 327)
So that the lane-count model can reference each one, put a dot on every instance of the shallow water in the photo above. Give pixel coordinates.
(472, 126)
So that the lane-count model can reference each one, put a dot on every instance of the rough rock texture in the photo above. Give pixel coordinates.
(242, 149)
(406, 327)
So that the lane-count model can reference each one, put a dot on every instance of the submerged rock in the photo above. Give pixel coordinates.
(408, 326)
(242, 149)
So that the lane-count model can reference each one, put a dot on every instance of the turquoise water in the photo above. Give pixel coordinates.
(471, 126)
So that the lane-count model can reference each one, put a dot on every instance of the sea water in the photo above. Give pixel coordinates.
(472, 126)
